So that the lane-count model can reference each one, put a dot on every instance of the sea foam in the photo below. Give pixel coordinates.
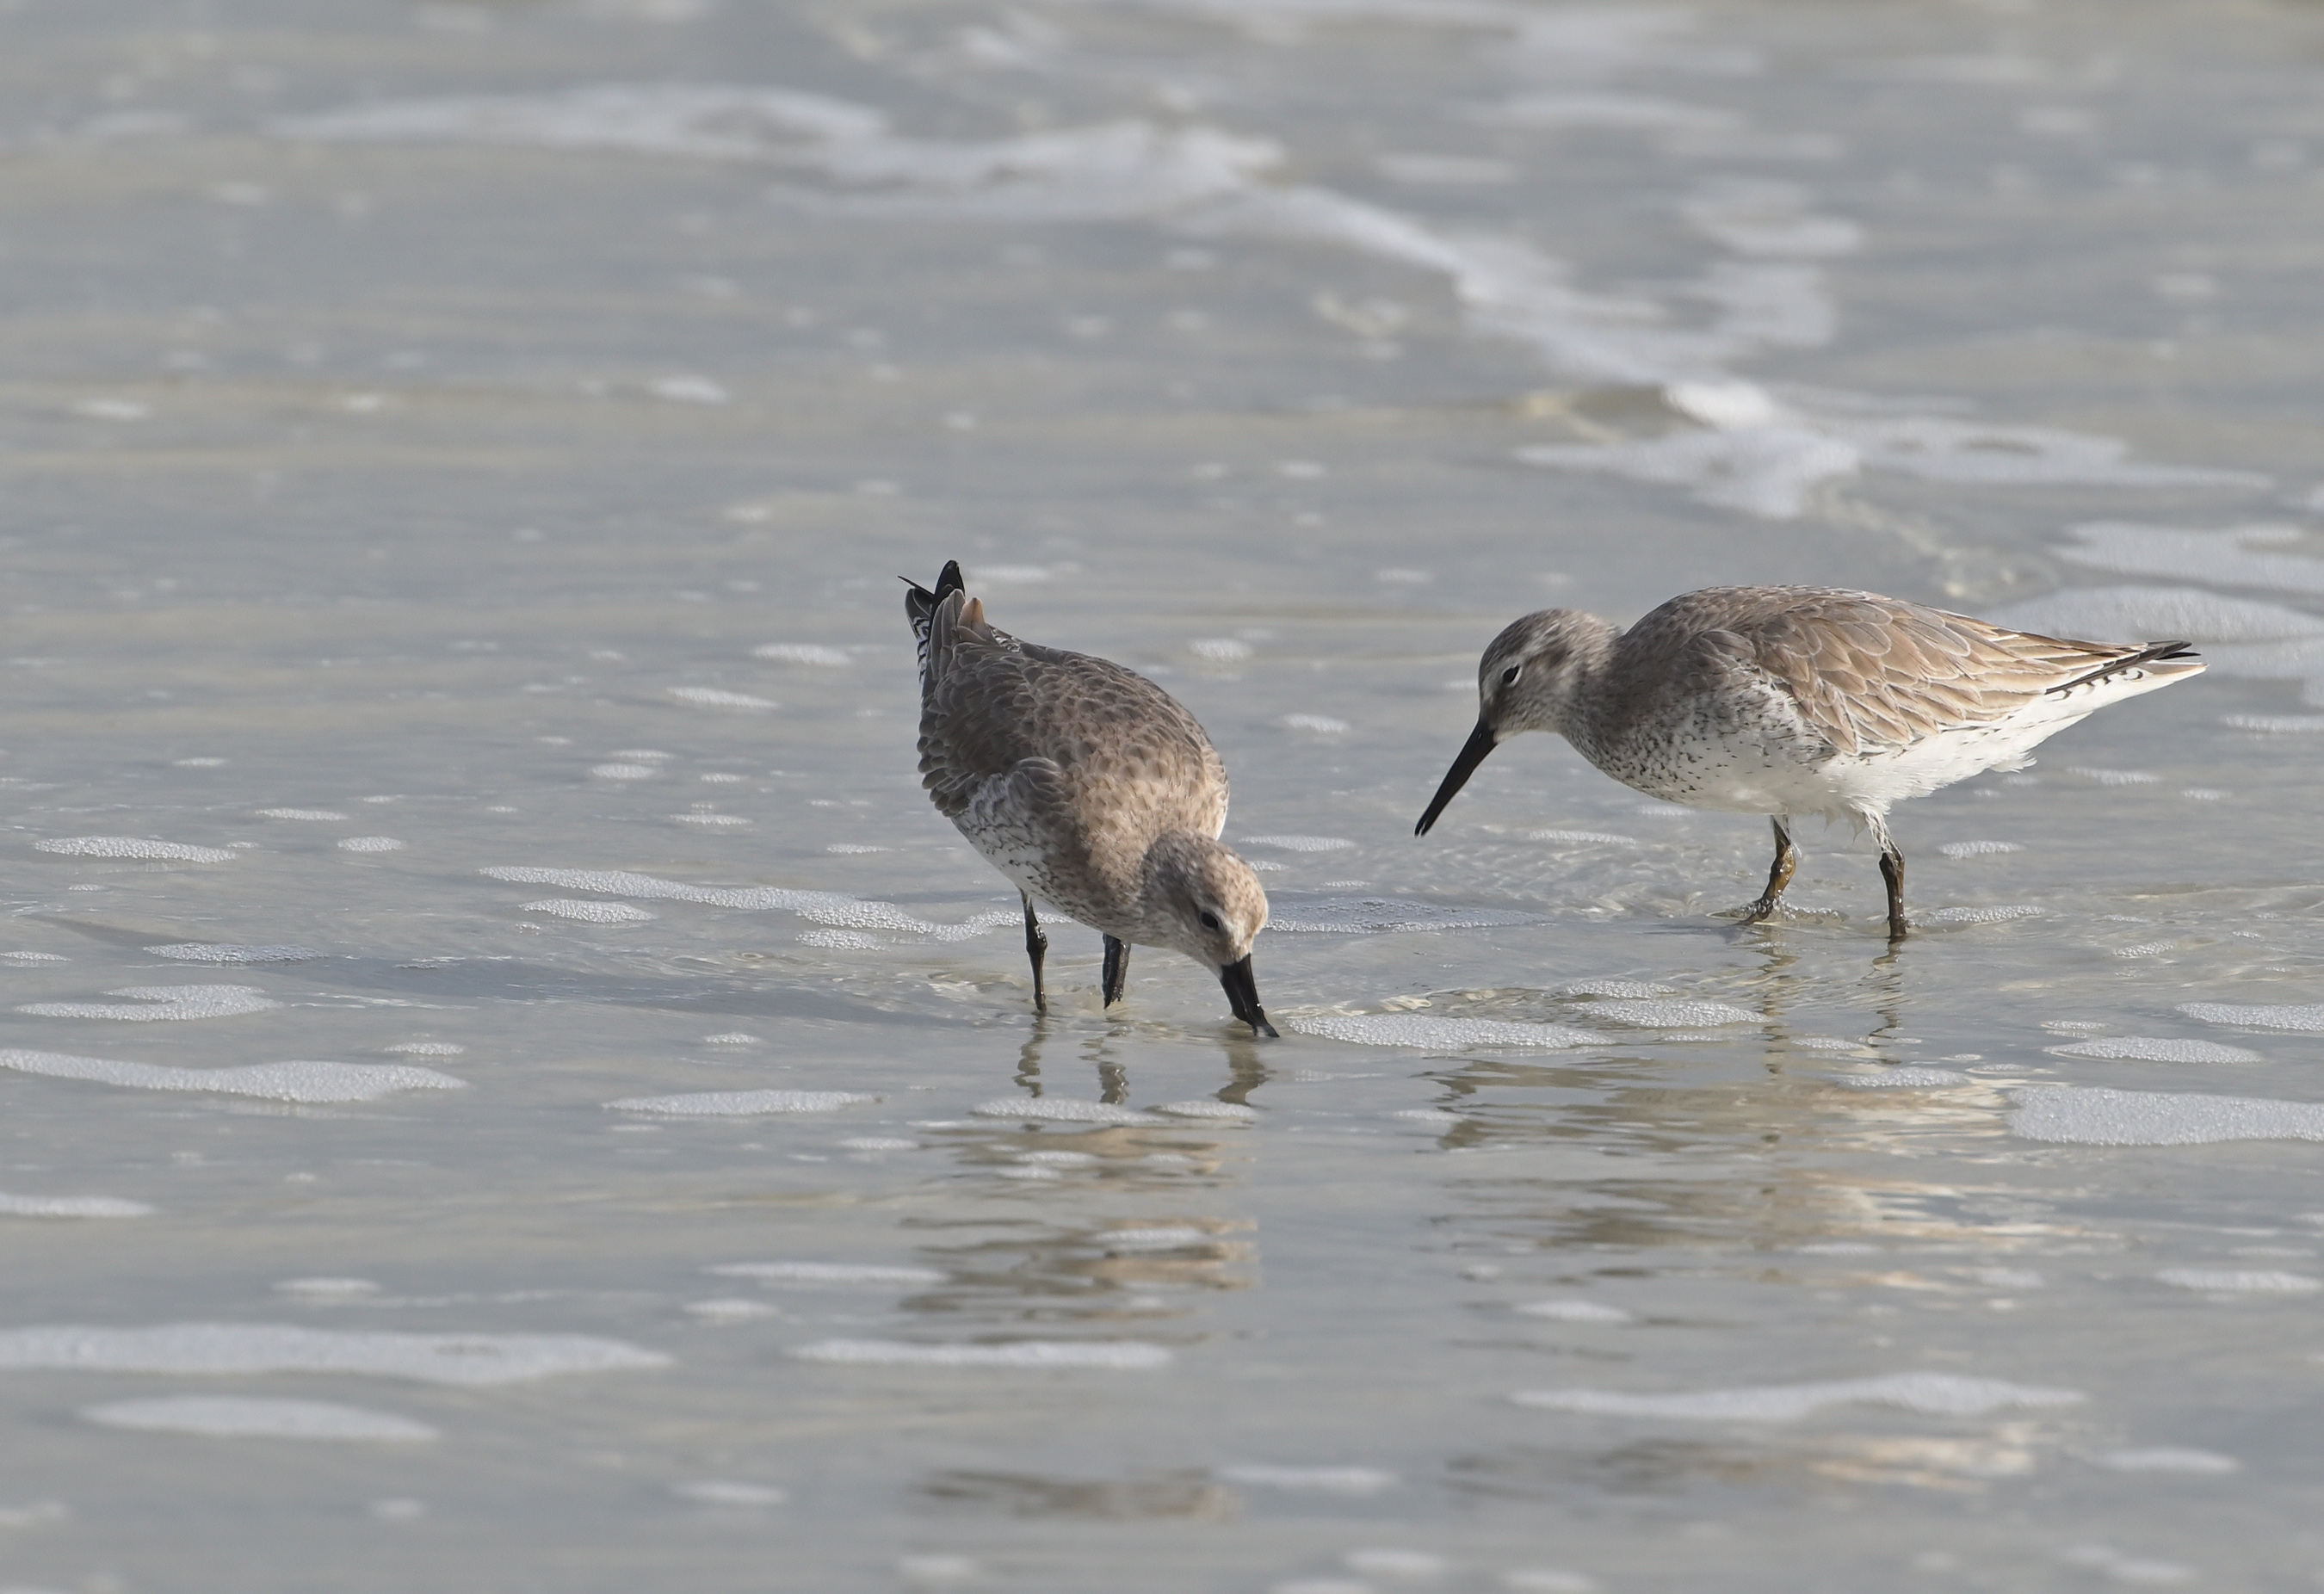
(271, 1082)
(1951, 1395)
(1039, 1355)
(1417, 1030)
(151, 1004)
(2096, 1116)
(740, 1103)
(130, 846)
(827, 908)
(2140, 1048)
(238, 1348)
(246, 1417)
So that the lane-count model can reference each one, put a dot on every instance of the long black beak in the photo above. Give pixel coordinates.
(1242, 996)
(1481, 742)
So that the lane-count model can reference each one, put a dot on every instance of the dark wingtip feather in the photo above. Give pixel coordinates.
(920, 605)
(2152, 653)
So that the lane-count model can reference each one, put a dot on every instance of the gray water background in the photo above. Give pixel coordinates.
(417, 418)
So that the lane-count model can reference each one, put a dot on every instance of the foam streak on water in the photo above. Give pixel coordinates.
(241, 1349)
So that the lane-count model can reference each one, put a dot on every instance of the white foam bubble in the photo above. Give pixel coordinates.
(1979, 915)
(2275, 724)
(828, 908)
(722, 1491)
(726, 1309)
(70, 1206)
(246, 1417)
(1321, 1481)
(237, 1348)
(2126, 1568)
(589, 912)
(1951, 1395)
(2240, 1281)
(803, 653)
(1155, 1236)
(369, 843)
(1385, 916)
(2117, 777)
(1583, 838)
(159, 1004)
(317, 816)
(1665, 1013)
(1639, 990)
(34, 957)
(1827, 1042)
(1041, 1355)
(1320, 724)
(827, 1273)
(1417, 1030)
(623, 771)
(273, 1081)
(841, 940)
(1219, 650)
(1206, 1108)
(2308, 1019)
(877, 1142)
(328, 1289)
(1057, 1110)
(1548, 1580)
(2168, 1458)
(426, 1048)
(2096, 1116)
(130, 846)
(1568, 1309)
(220, 952)
(1904, 1079)
(740, 1103)
(1300, 844)
(686, 388)
(2143, 1049)
(714, 698)
(1979, 849)
(1392, 1563)
(712, 821)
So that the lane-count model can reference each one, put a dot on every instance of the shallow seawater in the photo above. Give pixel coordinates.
(508, 1084)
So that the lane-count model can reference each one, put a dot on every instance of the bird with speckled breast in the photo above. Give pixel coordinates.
(1090, 787)
(1790, 700)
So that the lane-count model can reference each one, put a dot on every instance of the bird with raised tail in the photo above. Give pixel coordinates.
(1090, 787)
(1791, 700)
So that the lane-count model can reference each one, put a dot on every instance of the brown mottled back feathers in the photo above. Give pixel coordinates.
(991, 705)
(1867, 672)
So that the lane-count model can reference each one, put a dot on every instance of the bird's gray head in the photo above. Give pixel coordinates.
(1203, 900)
(1527, 680)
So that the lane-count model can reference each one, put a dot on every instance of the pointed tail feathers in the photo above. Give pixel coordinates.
(2176, 658)
(920, 606)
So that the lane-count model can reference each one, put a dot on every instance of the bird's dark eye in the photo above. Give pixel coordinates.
(1209, 920)
(1509, 676)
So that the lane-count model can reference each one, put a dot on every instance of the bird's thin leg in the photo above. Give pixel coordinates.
(1892, 871)
(1117, 969)
(1779, 875)
(1037, 947)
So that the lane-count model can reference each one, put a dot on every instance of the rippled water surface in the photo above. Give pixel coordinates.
(509, 1085)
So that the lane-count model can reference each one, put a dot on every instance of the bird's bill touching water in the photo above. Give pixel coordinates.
(1481, 740)
(1242, 996)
